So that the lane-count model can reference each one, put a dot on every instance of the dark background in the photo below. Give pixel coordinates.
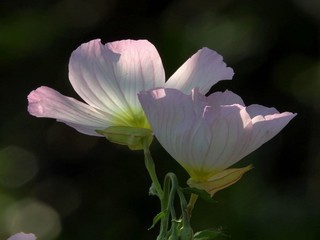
(61, 184)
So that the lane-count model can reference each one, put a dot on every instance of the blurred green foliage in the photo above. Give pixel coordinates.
(70, 186)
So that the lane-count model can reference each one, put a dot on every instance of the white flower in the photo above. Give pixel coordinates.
(108, 78)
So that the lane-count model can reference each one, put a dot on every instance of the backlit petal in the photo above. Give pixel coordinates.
(230, 132)
(108, 77)
(46, 102)
(209, 134)
(259, 110)
(267, 123)
(217, 99)
(202, 138)
(204, 69)
(170, 115)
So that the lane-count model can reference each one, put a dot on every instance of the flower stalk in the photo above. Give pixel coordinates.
(155, 188)
(149, 163)
(192, 201)
(180, 227)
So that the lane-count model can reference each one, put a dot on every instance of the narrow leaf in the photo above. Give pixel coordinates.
(157, 218)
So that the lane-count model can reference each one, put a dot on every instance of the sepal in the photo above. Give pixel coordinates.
(220, 180)
(130, 136)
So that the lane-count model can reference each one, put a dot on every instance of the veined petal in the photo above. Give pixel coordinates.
(204, 69)
(230, 132)
(204, 139)
(217, 99)
(46, 102)
(22, 236)
(171, 117)
(267, 123)
(208, 134)
(177, 122)
(108, 77)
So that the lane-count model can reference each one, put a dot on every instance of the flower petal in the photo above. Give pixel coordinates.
(267, 123)
(217, 99)
(259, 110)
(204, 69)
(169, 115)
(230, 133)
(46, 102)
(108, 77)
(207, 138)
(203, 139)
(22, 236)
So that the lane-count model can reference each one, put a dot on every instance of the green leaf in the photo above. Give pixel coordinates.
(157, 218)
(201, 193)
(207, 234)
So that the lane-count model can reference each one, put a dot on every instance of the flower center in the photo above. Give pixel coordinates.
(130, 118)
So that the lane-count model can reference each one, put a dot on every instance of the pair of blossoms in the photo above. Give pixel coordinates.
(123, 85)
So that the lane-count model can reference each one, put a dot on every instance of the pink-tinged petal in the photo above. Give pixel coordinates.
(204, 69)
(108, 77)
(256, 110)
(217, 99)
(22, 236)
(229, 137)
(170, 115)
(202, 138)
(208, 134)
(230, 131)
(46, 102)
(266, 127)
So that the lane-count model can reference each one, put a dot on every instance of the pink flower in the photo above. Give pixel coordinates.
(22, 236)
(108, 78)
(206, 135)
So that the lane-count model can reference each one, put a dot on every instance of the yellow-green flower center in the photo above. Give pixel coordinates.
(129, 128)
(131, 118)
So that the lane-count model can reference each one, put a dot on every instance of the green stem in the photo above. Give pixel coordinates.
(180, 229)
(149, 163)
(166, 196)
(192, 202)
(186, 232)
(170, 188)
